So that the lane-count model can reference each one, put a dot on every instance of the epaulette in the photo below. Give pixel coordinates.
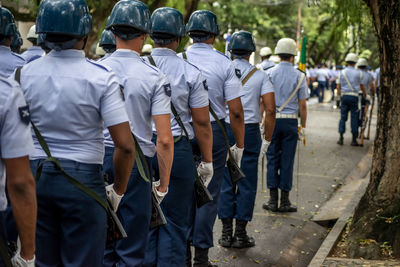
(301, 71)
(215, 50)
(104, 67)
(191, 64)
(150, 66)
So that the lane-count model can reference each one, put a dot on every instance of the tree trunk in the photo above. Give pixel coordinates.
(377, 216)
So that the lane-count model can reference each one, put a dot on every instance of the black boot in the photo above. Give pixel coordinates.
(354, 140)
(227, 231)
(340, 141)
(188, 261)
(241, 239)
(272, 204)
(286, 206)
(201, 258)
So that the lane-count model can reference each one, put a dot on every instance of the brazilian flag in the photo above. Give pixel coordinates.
(303, 54)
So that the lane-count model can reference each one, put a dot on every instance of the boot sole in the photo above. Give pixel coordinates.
(243, 245)
(225, 245)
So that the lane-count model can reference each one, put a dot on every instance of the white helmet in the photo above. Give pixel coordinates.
(362, 62)
(32, 33)
(265, 51)
(100, 51)
(147, 48)
(351, 57)
(286, 46)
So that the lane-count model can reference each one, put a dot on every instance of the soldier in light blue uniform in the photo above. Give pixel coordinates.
(108, 43)
(147, 99)
(35, 51)
(349, 84)
(223, 87)
(71, 99)
(265, 54)
(15, 146)
(237, 200)
(290, 94)
(368, 82)
(9, 60)
(167, 245)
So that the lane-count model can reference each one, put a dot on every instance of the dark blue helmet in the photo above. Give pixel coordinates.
(7, 23)
(107, 41)
(169, 21)
(17, 42)
(203, 21)
(242, 41)
(64, 17)
(128, 16)
(41, 38)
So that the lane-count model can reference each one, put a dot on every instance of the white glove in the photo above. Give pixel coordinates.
(262, 129)
(368, 98)
(159, 195)
(206, 172)
(18, 261)
(237, 154)
(265, 145)
(302, 134)
(113, 197)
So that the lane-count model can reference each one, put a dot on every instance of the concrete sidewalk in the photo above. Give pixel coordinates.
(320, 167)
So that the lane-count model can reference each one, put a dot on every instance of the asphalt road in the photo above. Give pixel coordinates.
(320, 166)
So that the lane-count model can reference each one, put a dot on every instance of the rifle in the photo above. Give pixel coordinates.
(370, 117)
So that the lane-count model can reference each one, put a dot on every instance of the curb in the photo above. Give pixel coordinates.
(333, 236)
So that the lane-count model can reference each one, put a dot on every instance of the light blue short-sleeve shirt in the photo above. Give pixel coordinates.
(266, 64)
(355, 78)
(147, 93)
(219, 71)
(15, 134)
(188, 87)
(71, 100)
(9, 61)
(284, 79)
(367, 79)
(257, 86)
(32, 53)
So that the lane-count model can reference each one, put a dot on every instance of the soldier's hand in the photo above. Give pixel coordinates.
(18, 261)
(206, 172)
(113, 197)
(302, 134)
(158, 194)
(237, 154)
(264, 146)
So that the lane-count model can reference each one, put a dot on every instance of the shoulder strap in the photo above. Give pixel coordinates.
(248, 76)
(173, 109)
(141, 162)
(267, 68)
(293, 93)
(184, 55)
(347, 80)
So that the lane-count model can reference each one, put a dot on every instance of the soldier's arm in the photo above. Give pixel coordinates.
(364, 91)
(22, 194)
(124, 155)
(165, 149)
(236, 117)
(270, 110)
(303, 112)
(202, 127)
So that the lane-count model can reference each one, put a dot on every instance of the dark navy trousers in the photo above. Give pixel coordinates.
(349, 103)
(134, 212)
(321, 91)
(71, 226)
(281, 153)
(167, 244)
(239, 203)
(203, 219)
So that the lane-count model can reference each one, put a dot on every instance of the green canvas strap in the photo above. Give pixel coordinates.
(217, 120)
(141, 162)
(56, 162)
(248, 76)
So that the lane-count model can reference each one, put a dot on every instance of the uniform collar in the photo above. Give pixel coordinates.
(162, 51)
(242, 61)
(35, 48)
(121, 52)
(349, 67)
(202, 45)
(67, 53)
(285, 63)
(5, 48)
